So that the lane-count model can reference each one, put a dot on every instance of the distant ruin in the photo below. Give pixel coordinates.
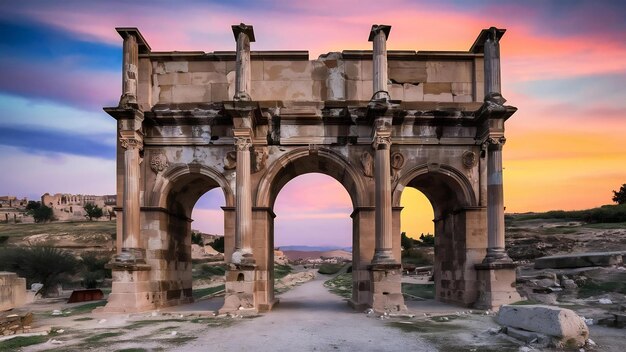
(248, 122)
(68, 207)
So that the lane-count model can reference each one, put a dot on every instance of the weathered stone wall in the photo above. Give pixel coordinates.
(195, 79)
(12, 291)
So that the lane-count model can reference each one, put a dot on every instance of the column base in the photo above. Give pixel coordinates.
(497, 255)
(131, 291)
(496, 285)
(386, 288)
(384, 257)
(130, 256)
(239, 291)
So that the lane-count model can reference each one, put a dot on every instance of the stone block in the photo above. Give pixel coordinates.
(203, 78)
(462, 88)
(256, 70)
(12, 291)
(286, 90)
(165, 94)
(561, 323)
(176, 66)
(396, 91)
(288, 70)
(170, 79)
(413, 92)
(207, 66)
(219, 92)
(462, 98)
(352, 70)
(444, 98)
(191, 94)
(367, 90)
(449, 71)
(580, 260)
(408, 75)
(367, 70)
(437, 88)
(353, 90)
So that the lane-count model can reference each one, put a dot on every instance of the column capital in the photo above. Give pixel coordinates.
(243, 138)
(378, 28)
(494, 142)
(248, 30)
(382, 140)
(131, 140)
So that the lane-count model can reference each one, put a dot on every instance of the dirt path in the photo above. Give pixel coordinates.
(309, 318)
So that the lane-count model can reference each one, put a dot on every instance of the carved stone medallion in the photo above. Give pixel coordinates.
(230, 160)
(158, 162)
(469, 159)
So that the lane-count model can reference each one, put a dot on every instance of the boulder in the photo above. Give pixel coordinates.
(564, 325)
(580, 260)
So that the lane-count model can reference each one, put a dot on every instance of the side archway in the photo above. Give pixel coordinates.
(460, 228)
(166, 228)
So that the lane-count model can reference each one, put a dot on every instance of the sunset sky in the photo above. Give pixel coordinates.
(563, 67)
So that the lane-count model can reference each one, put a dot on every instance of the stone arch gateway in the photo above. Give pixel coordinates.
(248, 122)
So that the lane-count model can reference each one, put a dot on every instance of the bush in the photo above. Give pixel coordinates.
(93, 271)
(427, 240)
(212, 270)
(47, 265)
(218, 244)
(39, 212)
(196, 238)
(329, 269)
(281, 271)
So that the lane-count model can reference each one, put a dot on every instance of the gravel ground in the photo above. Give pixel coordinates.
(309, 318)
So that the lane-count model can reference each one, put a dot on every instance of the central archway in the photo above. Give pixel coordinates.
(288, 166)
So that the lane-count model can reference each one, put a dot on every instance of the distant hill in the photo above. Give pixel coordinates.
(314, 248)
(335, 253)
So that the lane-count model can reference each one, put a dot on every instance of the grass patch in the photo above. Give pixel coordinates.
(281, 271)
(340, 285)
(329, 269)
(207, 271)
(141, 323)
(58, 228)
(87, 308)
(426, 291)
(21, 341)
(603, 214)
(201, 292)
(591, 288)
(104, 335)
(607, 226)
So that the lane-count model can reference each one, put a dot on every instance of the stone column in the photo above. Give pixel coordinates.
(492, 67)
(383, 214)
(244, 35)
(130, 63)
(495, 203)
(131, 245)
(243, 209)
(379, 35)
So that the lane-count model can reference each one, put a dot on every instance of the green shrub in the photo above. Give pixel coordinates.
(218, 244)
(417, 256)
(196, 238)
(93, 271)
(329, 269)
(212, 270)
(47, 265)
(281, 271)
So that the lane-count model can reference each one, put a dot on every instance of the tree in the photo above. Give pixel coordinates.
(427, 240)
(39, 212)
(93, 211)
(47, 265)
(218, 244)
(406, 242)
(620, 196)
